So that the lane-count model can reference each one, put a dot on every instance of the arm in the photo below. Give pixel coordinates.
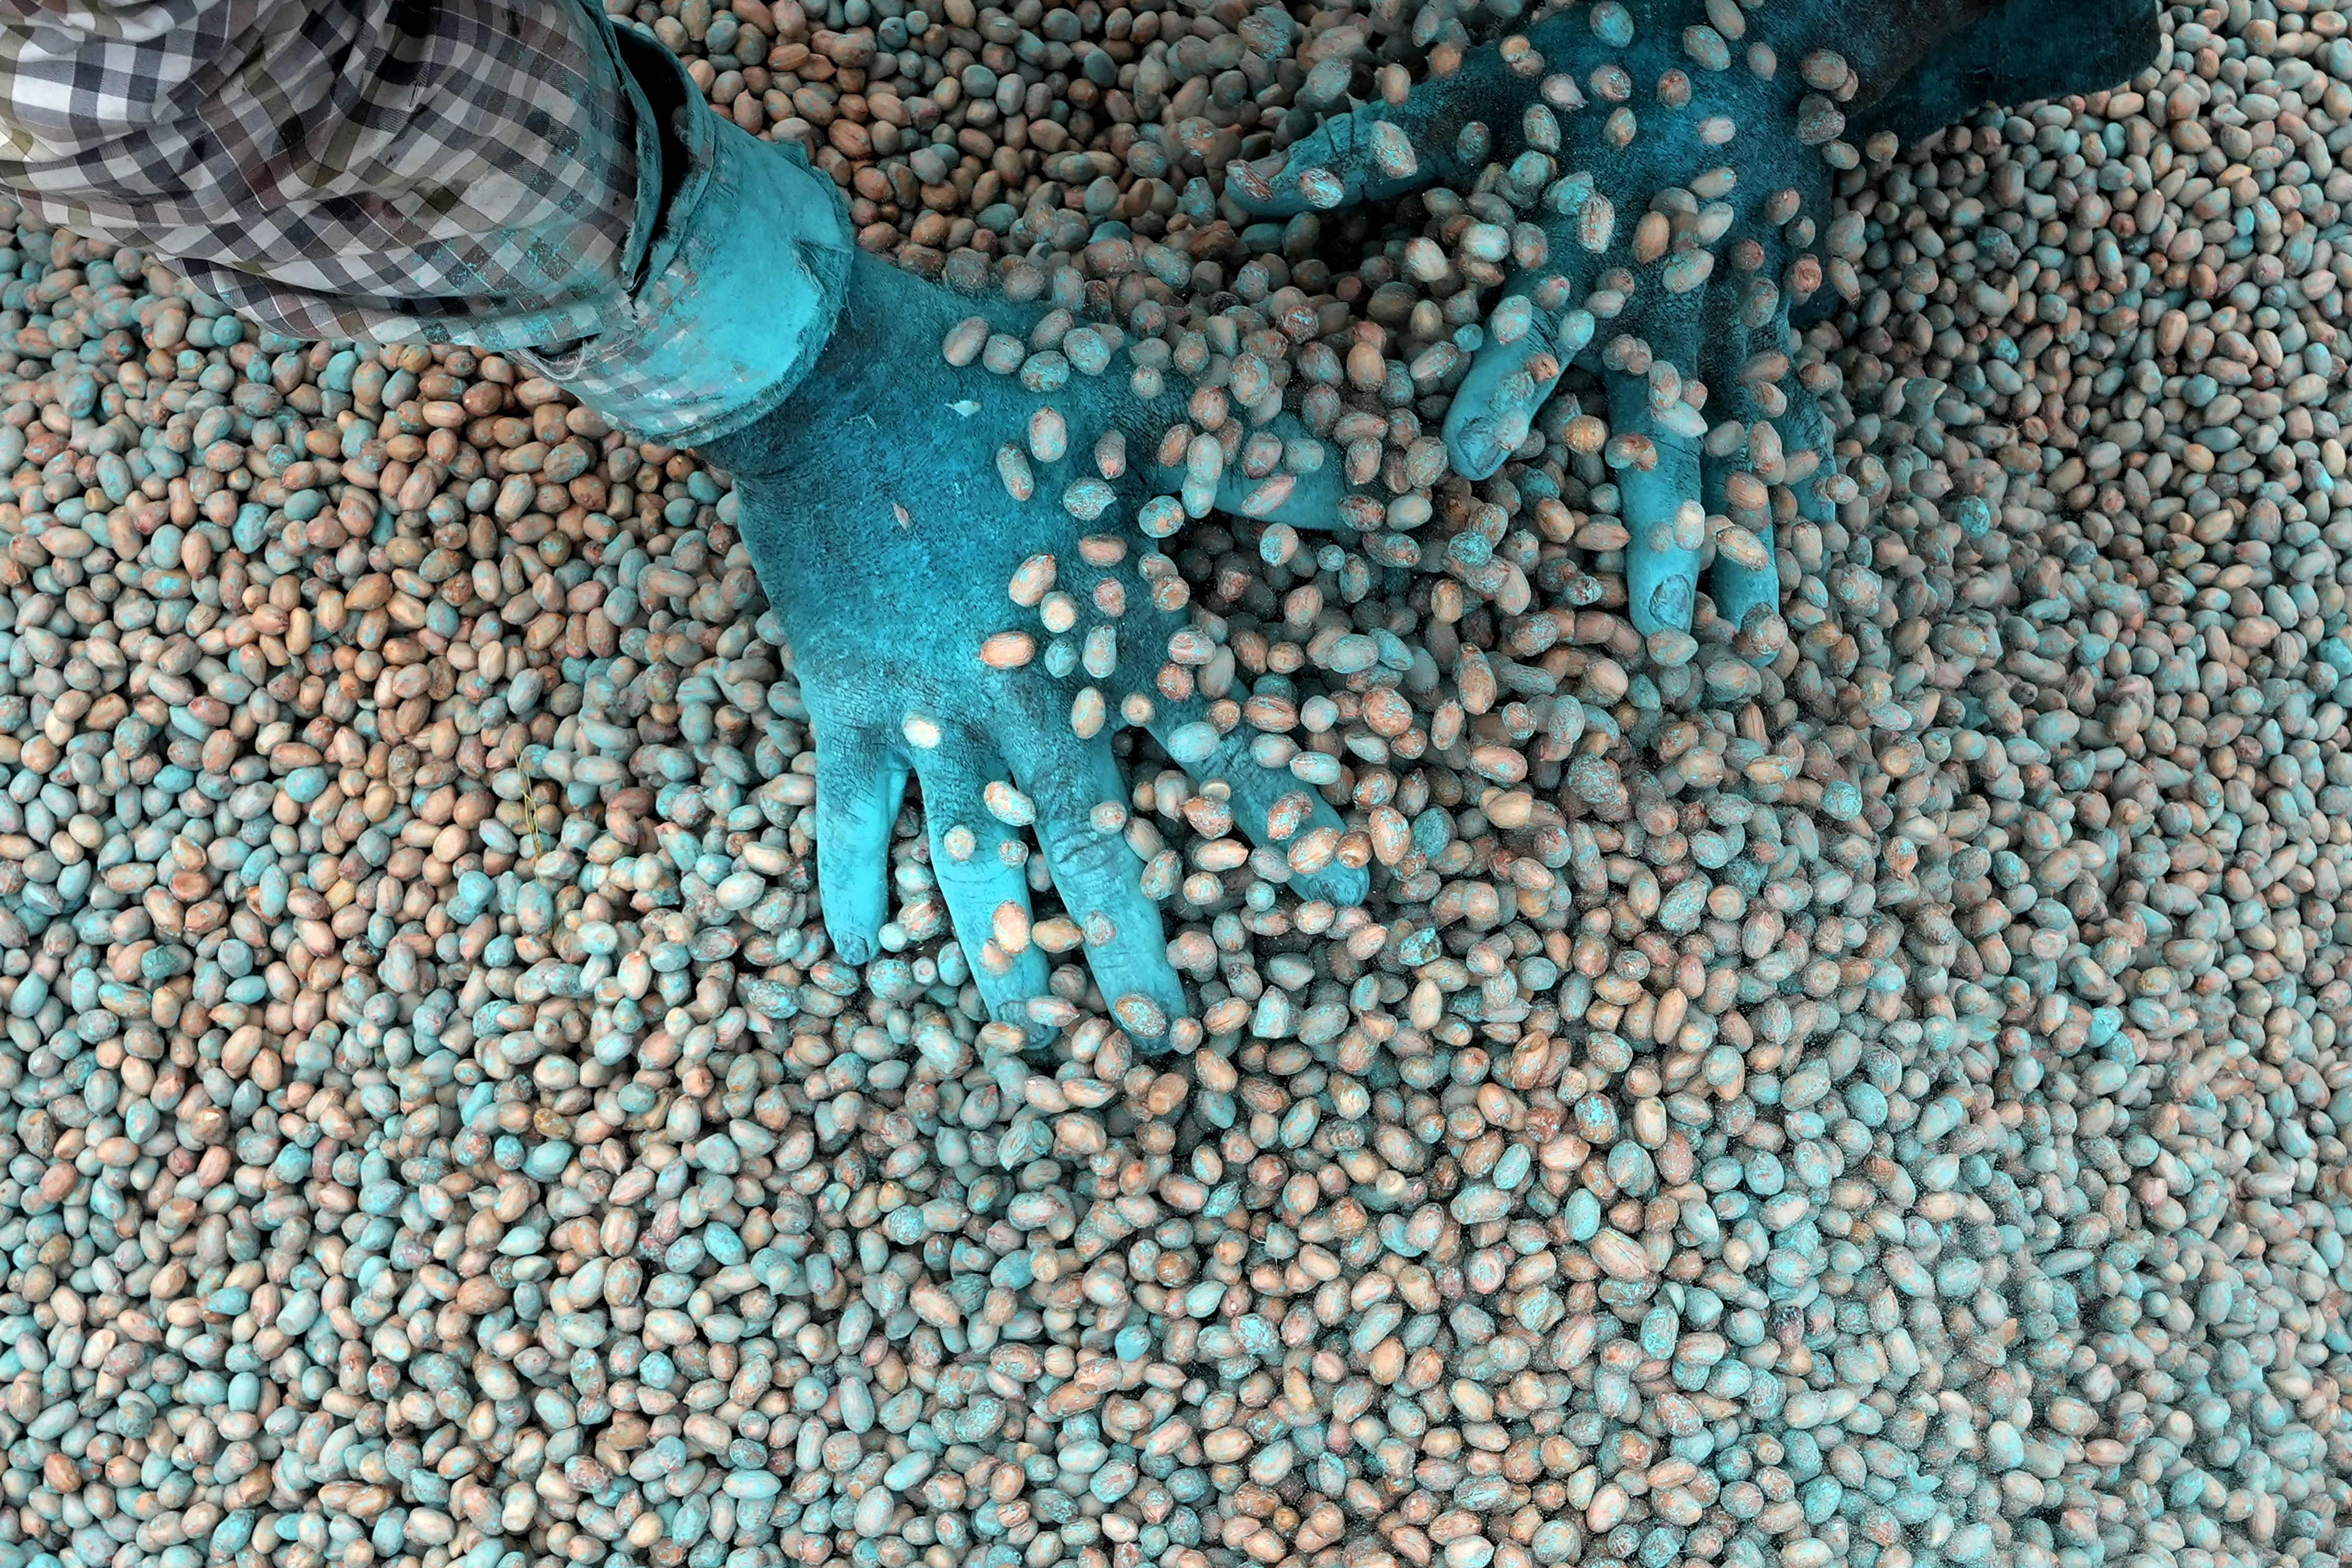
(515, 174)
(2024, 51)
(465, 170)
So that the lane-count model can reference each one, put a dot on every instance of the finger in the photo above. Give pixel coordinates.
(1794, 454)
(1376, 153)
(1657, 440)
(1312, 498)
(1527, 346)
(860, 781)
(1805, 429)
(1730, 489)
(1098, 875)
(1746, 575)
(1275, 808)
(984, 886)
(1811, 466)
(1663, 513)
(1283, 473)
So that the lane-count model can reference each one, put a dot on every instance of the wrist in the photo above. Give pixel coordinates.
(1881, 40)
(857, 379)
(741, 286)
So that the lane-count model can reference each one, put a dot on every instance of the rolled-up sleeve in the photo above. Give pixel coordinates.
(393, 170)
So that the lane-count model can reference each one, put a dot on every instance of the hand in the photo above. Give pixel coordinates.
(988, 644)
(1660, 201)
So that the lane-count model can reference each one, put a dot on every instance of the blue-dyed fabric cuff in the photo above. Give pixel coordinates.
(739, 290)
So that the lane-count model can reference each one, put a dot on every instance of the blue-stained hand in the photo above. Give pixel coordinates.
(967, 571)
(1663, 201)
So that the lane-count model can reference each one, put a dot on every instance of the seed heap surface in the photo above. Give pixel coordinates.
(1859, 1088)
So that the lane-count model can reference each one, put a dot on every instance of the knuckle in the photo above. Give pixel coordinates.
(1085, 859)
(963, 879)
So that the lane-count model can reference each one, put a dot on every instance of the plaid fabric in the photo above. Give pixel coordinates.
(387, 170)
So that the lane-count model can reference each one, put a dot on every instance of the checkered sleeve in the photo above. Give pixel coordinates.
(385, 170)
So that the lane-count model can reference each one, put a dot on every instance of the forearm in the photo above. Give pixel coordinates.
(509, 173)
(457, 170)
(1880, 40)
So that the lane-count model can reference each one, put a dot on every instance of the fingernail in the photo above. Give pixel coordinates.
(1670, 605)
(1475, 458)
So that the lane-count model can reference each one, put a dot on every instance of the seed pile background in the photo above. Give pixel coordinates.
(1872, 1099)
